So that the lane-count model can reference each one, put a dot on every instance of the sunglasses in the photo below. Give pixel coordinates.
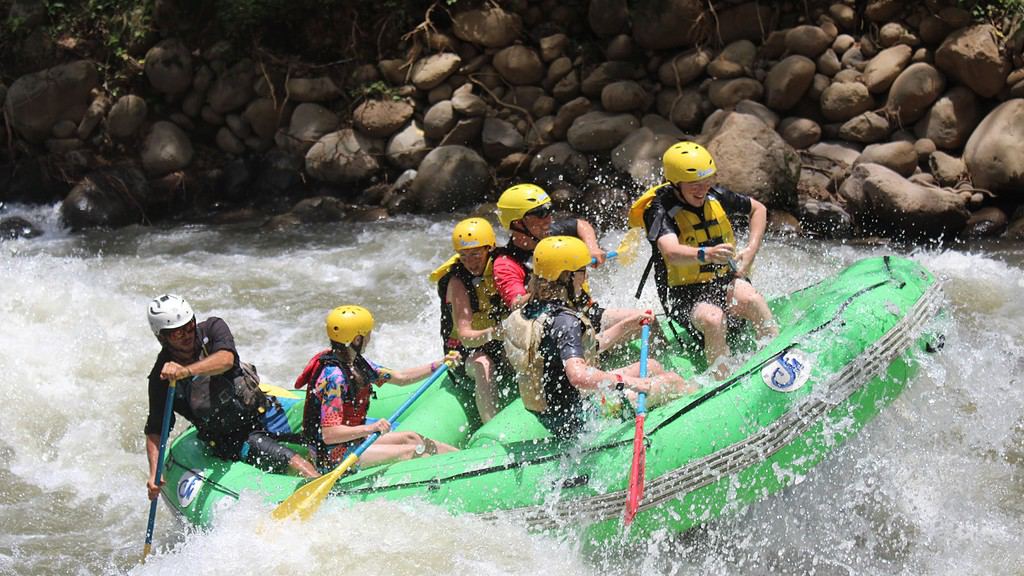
(541, 211)
(179, 332)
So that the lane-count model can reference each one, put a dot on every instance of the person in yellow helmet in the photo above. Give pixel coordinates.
(471, 311)
(702, 276)
(338, 385)
(553, 345)
(525, 210)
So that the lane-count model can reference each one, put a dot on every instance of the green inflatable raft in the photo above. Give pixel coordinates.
(847, 347)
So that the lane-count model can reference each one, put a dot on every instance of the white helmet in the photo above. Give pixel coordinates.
(169, 311)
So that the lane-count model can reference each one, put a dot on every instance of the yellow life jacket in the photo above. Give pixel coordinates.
(522, 348)
(484, 300)
(709, 227)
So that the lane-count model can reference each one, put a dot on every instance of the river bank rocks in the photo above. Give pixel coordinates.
(845, 118)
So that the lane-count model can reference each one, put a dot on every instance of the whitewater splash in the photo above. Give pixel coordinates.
(933, 485)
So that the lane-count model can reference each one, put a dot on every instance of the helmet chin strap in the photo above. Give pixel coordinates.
(523, 230)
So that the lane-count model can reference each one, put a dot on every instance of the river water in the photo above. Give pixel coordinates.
(934, 485)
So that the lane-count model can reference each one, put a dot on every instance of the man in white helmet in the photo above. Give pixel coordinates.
(235, 419)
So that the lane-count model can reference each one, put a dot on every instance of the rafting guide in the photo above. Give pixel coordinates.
(215, 393)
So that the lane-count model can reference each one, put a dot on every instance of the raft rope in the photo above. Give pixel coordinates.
(206, 479)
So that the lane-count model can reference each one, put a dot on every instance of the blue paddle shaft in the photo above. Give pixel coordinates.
(165, 430)
(645, 336)
(401, 409)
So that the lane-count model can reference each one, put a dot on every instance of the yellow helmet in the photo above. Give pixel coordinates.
(473, 233)
(688, 162)
(556, 254)
(344, 323)
(516, 201)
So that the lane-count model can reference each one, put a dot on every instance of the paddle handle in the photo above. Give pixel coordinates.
(401, 409)
(607, 256)
(165, 430)
(645, 336)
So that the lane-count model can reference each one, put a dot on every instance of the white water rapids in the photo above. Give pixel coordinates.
(934, 485)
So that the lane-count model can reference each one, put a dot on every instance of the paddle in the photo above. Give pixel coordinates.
(626, 251)
(307, 499)
(164, 432)
(636, 472)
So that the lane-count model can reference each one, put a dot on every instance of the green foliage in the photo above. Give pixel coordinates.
(1000, 13)
(378, 90)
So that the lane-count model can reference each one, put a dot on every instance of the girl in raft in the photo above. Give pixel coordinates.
(338, 391)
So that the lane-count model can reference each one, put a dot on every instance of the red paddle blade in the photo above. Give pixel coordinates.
(636, 472)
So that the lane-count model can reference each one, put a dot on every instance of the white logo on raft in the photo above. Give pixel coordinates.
(188, 487)
(788, 372)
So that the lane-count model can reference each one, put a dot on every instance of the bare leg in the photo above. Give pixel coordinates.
(395, 446)
(710, 320)
(303, 467)
(746, 302)
(481, 367)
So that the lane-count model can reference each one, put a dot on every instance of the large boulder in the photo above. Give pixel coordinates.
(914, 91)
(450, 177)
(735, 60)
(381, 118)
(865, 128)
(807, 40)
(490, 26)
(317, 89)
(500, 138)
(519, 65)
(684, 68)
(37, 101)
(888, 203)
(753, 159)
(439, 119)
(899, 156)
(788, 81)
(428, 72)
(342, 157)
(994, 153)
(599, 131)
(559, 162)
(263, 117)
(685, 109)
(309, 123)
(169, 66)
(233, 88)
(166, 148)
(109, 197)
(669, 23)
(639, 155)
(799, 133)
(126, 116)
(623, 96)
(844, 100)
(950, 121)
(974, 57)
(727, 93)
(885, 67)
(407, 147)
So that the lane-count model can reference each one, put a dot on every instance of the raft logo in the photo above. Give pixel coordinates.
(188, 487)
(788, 372)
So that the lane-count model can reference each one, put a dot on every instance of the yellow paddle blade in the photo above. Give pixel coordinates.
(277, 391)
(307, 499)
(628, 246)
